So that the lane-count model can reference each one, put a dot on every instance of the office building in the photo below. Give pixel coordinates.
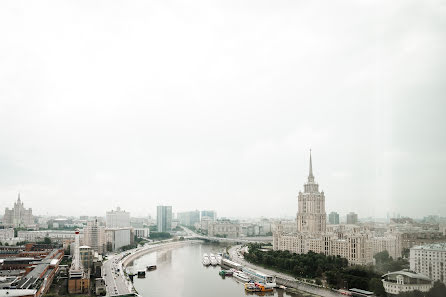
(429, 260)
(117, 218)
(333, 218)
(94, 236)
(209, 214)
(224, 228)
(164, 218)
(189, 218)
(116, 238)
(352, 218)
(18, 216)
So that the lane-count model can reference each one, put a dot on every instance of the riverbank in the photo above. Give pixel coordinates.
(117, 280)
(284, 279)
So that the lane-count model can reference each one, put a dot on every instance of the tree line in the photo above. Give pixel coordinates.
(333, 269)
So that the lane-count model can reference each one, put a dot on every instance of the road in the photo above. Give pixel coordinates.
(259, 239)
(113, 268)
(115, 281)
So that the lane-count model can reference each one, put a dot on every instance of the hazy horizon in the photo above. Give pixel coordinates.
(216, 104)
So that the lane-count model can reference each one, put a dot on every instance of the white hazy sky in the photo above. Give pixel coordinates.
(215, 105)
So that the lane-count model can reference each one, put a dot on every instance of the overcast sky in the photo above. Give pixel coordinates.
(216, 104)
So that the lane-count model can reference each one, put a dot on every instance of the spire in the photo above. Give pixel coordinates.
(18, 199)
(310, 175)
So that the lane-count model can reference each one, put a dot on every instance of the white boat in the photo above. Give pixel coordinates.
(213, 260)
(219, 257)
(241, 276)
(206, 261)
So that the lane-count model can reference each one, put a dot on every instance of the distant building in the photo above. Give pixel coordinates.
(117, 218)
(405, 281)
(209, 214)
(429, 260)
(94, 236)
(189, 218)
(224, 228)
(55, 235)
(353, 242)
(333, 218)
(164, 218)
(142, 232)
(18, 216)
(6, 234)
(352, 218)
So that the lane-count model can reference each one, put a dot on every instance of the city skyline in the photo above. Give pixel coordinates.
(225, 110)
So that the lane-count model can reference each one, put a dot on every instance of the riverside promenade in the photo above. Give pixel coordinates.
(116, 280)
(284, 279)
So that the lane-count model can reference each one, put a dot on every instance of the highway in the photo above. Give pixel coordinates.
(115, 280)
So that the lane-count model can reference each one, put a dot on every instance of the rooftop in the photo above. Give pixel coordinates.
(433, 246)
(408, 273)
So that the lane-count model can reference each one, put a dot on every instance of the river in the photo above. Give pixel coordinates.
(180, 273)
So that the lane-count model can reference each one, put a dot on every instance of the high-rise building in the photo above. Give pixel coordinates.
(352, 218)
(117, 218)
(94, 236)
(333, 218)
(353, 242)
(311, 215)
(212, 214)
(429, 260)
(18, 216)
(164, 218)
(189, 218)
(116, 238)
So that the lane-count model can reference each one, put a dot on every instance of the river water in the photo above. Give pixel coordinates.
(180, 273)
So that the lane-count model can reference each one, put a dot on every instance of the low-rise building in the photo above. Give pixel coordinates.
(405, 281)
(142, 232)
(55, 235)
(6, 234)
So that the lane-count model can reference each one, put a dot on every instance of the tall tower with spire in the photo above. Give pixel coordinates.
(311, 216)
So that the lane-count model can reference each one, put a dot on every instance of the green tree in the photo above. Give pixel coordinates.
(47, 240)
(376, 285)
(438, 290)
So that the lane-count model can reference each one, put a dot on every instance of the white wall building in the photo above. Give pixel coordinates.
(6, 234)
(118, 237)
(142, 232)
(405, 281)
(117, 218)
(429, 260)
(54, 235)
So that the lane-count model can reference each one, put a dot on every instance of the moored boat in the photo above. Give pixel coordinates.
(225, 272)
(213, 260)
(219, 257)
(241, 276)
(257, 287)
(206, 261)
